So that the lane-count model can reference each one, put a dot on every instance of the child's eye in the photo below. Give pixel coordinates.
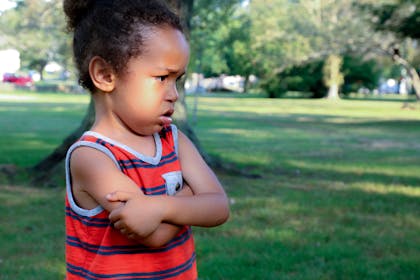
(161, 78)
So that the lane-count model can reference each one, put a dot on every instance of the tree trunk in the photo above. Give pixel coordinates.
(43, 169)
(333, 92)
(333, 78)
(41, 72)
(416, 81)
(246, 83)
(411, 71)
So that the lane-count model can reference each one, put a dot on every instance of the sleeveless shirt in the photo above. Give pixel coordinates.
(95, 250)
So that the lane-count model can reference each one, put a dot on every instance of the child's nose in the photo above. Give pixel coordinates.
(173, 94)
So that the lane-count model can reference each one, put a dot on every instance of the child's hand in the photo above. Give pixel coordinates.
(138, 217)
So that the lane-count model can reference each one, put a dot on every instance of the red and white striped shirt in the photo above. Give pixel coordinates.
(95, 250)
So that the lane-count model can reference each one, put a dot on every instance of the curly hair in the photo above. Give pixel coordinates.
(113, 30)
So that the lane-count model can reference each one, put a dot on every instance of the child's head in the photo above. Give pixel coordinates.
(113, 30)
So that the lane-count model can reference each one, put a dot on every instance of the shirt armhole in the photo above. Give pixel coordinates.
(175, 138)
(69, 191)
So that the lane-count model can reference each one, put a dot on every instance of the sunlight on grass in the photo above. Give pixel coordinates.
(44, 98)
(390, 189)
(314, 108)
(380, 169)
(15, 97)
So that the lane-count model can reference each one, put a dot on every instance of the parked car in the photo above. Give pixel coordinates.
(25, 81)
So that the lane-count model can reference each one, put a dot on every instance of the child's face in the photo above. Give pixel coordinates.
(145, 95)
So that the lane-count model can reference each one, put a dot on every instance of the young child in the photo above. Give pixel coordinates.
(135, 184)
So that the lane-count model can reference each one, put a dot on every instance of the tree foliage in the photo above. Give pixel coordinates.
(36, 29)
(401, 17)
(359, 73)
(290, 34)
(293, 33)
(400, 20)
(212, 26)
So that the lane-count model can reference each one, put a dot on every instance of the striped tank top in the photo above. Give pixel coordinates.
(95, 250)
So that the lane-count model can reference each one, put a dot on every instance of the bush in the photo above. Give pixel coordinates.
(358, 73)
(306, 78)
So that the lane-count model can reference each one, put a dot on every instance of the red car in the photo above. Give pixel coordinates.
(24, 81)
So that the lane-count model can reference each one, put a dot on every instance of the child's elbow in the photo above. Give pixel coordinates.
(224, 213)
(223, 219)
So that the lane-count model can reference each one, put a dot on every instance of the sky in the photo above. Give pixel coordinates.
(6, 4)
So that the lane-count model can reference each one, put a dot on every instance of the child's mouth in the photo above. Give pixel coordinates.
(166, 118)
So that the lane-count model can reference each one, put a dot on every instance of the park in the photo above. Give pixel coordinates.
(322, 178)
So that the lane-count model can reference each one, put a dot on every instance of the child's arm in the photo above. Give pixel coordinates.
(208, 207)
(163, 234)
(94, 175)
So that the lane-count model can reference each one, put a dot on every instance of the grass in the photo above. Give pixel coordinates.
(338, 197)
(36, 123)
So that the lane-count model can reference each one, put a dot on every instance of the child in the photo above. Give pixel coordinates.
(135, 184)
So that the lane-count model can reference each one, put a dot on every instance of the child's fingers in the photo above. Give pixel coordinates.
(119, 196)
(117, 225)
(114, 217)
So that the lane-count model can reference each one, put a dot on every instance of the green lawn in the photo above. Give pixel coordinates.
(338, 197)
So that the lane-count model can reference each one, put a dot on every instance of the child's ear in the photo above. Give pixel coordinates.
(102, 74)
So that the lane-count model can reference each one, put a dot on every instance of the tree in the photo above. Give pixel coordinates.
(343, 31)
(303, 78)
(333, 77)
(399, 20)
(36, 29)
(361, 72)
(279, 40)
(293, 33)
(400, 17)
(358, 72)
(210, 31)
(236, 51)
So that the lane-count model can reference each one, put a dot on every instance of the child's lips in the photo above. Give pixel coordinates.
(166, 118)
(166, 121)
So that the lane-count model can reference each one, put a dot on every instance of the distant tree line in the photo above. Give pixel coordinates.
(321, 47)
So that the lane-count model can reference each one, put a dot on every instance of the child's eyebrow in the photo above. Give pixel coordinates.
(173, 71)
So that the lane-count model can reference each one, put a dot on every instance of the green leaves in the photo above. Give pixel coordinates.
(36, 30)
